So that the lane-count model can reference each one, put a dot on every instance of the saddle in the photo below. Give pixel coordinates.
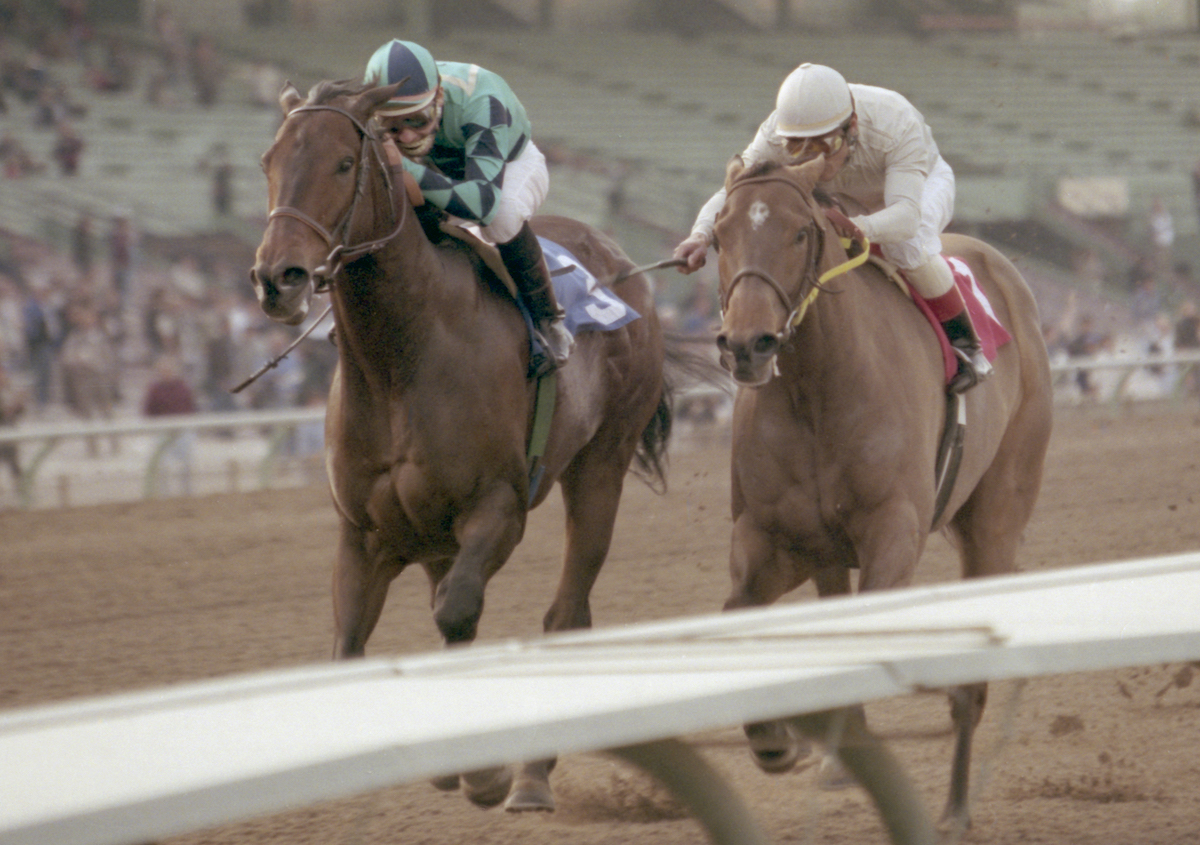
(992, 333)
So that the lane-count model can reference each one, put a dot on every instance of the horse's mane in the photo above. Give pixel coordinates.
(332, 89)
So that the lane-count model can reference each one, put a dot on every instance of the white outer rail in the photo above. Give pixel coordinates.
(131, 768)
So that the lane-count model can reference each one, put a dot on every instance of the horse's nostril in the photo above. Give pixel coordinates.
(293, 277)
(766, 344)
(722, 343)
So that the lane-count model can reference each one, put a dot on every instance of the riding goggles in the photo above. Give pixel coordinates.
(804, 149)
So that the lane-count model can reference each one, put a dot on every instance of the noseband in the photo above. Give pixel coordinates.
(339, 251)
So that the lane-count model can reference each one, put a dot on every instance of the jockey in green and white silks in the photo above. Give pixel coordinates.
(879, 150)
(467, 141)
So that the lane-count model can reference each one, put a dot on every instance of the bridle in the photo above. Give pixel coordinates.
(339, 252)
(810, 277)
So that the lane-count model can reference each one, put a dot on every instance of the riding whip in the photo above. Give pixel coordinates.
(274, 362)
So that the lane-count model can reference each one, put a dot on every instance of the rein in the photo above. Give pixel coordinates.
(815, 253)
(339, 251)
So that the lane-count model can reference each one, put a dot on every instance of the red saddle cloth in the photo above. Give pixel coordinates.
(992, 334)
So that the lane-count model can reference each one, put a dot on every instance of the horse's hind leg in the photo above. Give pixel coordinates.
(591, 491)
(987, 530)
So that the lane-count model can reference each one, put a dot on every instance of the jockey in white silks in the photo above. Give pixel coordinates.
(879, 151)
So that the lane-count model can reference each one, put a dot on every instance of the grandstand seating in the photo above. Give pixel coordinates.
(1012, 114)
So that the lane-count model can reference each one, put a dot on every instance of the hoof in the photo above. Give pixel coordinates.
(530, 795)
(776, 747)
(446, 783)
(832, 775)
(487, 787)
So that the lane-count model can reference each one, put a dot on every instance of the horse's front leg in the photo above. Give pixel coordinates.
(591, 490)
(360, 586)
(762, 572)
(486, 537)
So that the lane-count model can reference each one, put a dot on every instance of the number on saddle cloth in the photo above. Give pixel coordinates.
(588, 305)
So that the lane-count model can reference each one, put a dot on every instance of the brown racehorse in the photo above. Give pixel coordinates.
(837, 421)
(430, 411)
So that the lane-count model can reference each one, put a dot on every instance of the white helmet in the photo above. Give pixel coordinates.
(814, 100)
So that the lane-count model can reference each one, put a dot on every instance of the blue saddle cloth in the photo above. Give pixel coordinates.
(588, 305)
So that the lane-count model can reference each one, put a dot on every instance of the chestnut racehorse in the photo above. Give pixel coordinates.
(430, 411)
(838, 415)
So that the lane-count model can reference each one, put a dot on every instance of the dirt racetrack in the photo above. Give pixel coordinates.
(119, 597)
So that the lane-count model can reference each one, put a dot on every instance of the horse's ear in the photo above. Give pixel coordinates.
(734, 169)
(373, 98)
(289, 97)
(808, 173)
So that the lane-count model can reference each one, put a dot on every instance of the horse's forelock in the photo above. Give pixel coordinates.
(331, 89)
(759, 168)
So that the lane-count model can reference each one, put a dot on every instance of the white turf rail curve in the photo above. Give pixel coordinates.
(135, 767)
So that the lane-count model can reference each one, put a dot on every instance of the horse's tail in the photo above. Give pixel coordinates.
(650, 459)
(684, 366)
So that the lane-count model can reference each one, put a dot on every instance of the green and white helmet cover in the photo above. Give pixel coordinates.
(404, 60)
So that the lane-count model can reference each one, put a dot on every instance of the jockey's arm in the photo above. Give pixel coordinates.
(475, 197)
(907, 164)
(900, 216)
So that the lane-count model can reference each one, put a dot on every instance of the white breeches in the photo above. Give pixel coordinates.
(526, 181)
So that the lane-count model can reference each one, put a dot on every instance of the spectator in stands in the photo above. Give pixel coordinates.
(216, 162)
(1187, 339)
(12, 347)
(876, 148)
(1085, 343)
(1145, 304)
(169, 394)
(115, 72)
(1162, 236)
(1196, 186)
(699, 315)
(42, 332)
(16, 160)
(68, 148)
(13, 401)
(205, 69)
(172, 57)
(89, 368)
(122, 253)
(83, 244)
(467, 141)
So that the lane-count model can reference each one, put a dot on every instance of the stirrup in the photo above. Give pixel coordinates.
(557, 339)
(973, 367)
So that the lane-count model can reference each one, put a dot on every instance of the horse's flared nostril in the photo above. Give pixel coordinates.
(766, 344)
(293, 277)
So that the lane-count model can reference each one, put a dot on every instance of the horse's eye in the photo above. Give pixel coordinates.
(801, 235)
(346, 164)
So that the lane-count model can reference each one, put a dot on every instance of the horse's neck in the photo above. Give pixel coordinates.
(382, 300)
(833, 342)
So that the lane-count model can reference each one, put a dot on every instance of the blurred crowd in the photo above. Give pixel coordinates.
(85, 332)
(83, 335)
(89, 332)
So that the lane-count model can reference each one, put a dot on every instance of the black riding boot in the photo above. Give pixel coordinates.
(973, 365)
(524, 261)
